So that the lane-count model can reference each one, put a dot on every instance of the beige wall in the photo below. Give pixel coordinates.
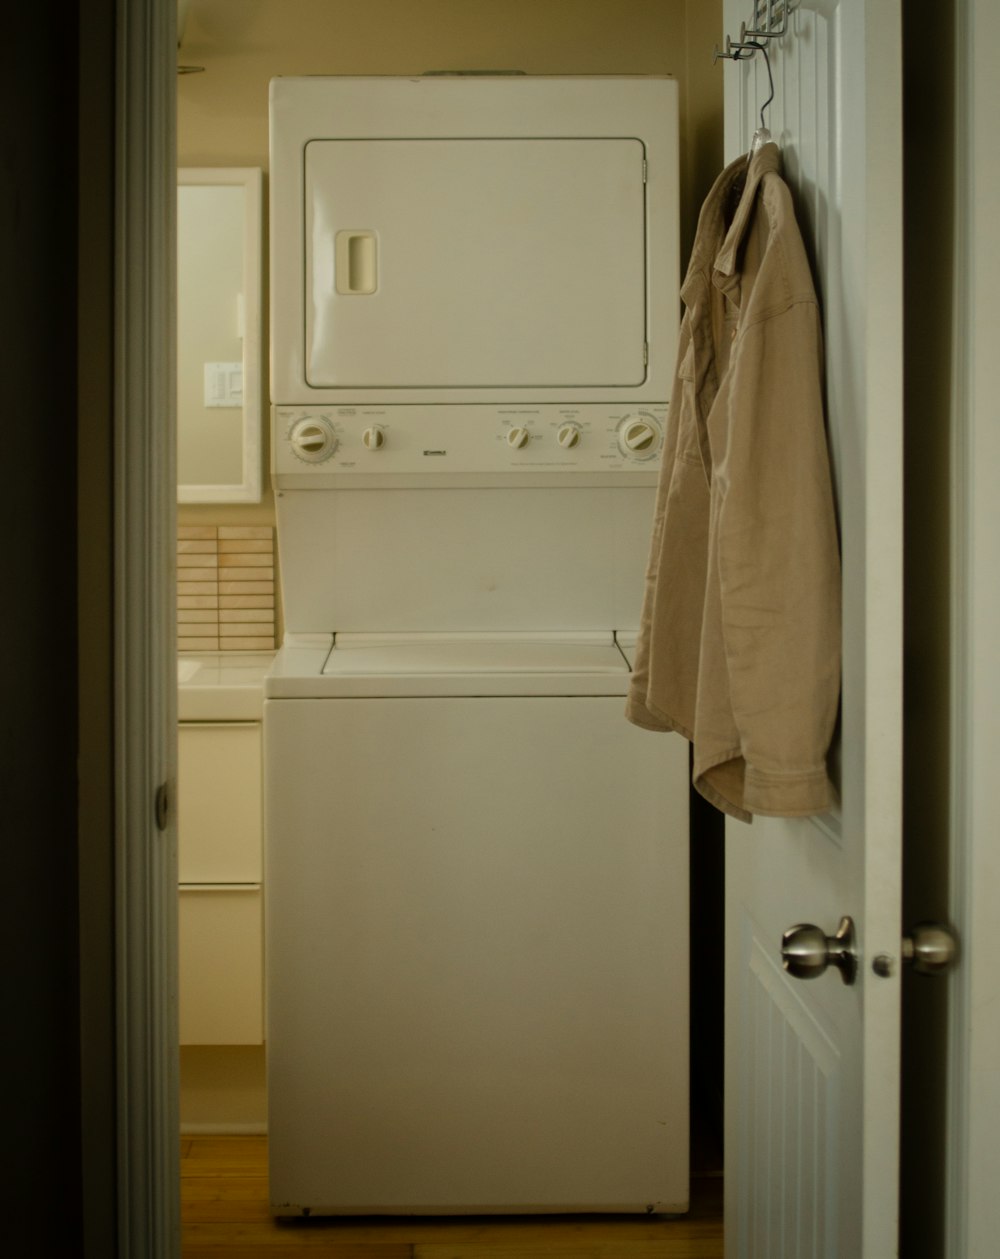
(701, 119)
(222, 113)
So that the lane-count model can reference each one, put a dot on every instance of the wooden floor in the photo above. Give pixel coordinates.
(224, 1214)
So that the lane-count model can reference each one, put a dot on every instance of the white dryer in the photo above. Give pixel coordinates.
(477, 898)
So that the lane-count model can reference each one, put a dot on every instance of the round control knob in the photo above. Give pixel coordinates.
(313, 439)
(518, 438)
(373, 438)
(639, 437)
(568, 436)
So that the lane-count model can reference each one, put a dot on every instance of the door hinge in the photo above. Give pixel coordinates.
(645, 169)
(161, 807)
(645, 353)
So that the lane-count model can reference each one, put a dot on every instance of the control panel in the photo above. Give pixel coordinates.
(360, 442)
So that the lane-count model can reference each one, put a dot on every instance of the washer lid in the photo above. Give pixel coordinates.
(354, 655)
(360, 665)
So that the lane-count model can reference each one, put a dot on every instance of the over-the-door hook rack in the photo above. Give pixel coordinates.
(775, 15)
(731, 51)
(769, 21)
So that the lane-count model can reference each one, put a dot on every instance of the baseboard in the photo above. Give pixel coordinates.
(223, 1129)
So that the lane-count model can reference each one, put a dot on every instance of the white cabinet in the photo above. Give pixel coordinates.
(220, 862)
(221, 966)
(219, 807)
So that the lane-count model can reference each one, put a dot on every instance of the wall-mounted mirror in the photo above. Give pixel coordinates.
(218, 335)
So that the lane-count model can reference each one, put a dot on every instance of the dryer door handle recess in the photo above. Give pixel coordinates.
(355, 262)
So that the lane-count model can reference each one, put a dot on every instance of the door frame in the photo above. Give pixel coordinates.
(145, 697)
(144, 646)
(973, 1208)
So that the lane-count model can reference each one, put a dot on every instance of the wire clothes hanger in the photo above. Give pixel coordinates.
(770, 22)
(762, 136)
(740, 52)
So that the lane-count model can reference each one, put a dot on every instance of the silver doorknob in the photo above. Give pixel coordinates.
(806, 951)
(930, 949)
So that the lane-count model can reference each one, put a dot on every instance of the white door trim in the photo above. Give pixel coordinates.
(974, 1033)
(145, 692)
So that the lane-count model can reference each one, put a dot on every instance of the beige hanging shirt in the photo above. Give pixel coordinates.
(739, 645)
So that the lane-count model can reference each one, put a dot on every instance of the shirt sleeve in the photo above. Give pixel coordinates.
(779, 564)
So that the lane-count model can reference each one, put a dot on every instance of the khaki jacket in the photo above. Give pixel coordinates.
(739, 644)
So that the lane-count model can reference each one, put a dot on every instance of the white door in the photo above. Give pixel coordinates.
(812, 1070)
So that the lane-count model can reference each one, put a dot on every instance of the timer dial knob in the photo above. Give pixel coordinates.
(518, 438)
(313, 439)
(568, 435)
(373, 438)
(639, 437)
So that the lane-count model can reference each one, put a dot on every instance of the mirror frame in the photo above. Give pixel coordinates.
(248, 490)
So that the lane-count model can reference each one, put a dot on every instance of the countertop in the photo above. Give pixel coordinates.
(221, 685)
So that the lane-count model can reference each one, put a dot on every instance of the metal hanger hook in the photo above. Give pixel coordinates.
(752, 43)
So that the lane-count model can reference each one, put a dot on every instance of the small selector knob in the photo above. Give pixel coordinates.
(568, 435)
(639, 437)
(373, 438)
(312, 439)
(518, 438)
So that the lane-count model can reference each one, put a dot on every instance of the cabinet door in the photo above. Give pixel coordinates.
(219, 802)
(221, 973)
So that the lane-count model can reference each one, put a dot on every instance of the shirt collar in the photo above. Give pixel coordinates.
(711, 229)
(765, 161)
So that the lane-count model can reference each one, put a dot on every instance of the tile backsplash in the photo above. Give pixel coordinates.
(225, 588)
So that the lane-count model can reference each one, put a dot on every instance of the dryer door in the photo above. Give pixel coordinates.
(456, 263)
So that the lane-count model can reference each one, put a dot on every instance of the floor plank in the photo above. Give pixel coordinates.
(225, 1156)
(323, 1249)
(682, 1248)
(243, 1200)
(225, 1214)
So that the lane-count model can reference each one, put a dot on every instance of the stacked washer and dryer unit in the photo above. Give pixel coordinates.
(477, 878)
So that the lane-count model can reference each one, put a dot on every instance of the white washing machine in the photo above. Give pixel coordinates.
(477, 893)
